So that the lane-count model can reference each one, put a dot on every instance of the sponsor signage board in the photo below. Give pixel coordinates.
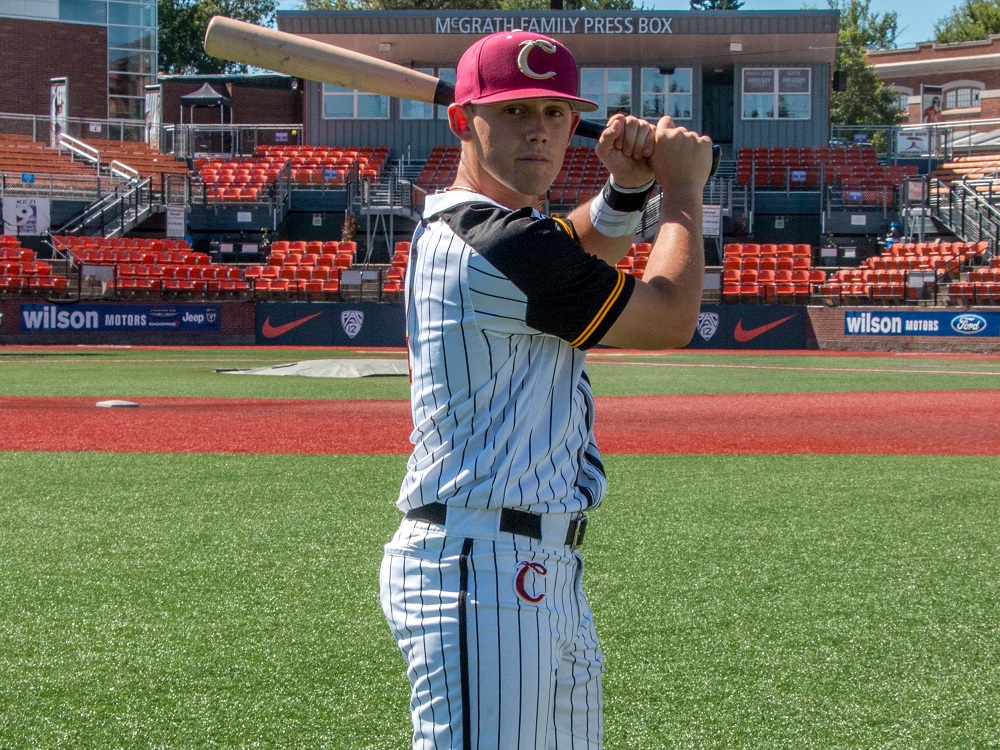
(330, 324)
(44, 317)
(750, 327)
(922, 323)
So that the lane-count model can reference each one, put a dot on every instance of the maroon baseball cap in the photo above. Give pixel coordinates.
(518, 64)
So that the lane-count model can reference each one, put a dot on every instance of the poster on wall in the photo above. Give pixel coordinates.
(26, 216)
(154, 117)
(930, 104)
(58, 109)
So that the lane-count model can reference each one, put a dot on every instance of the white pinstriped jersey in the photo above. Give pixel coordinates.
(501, 306)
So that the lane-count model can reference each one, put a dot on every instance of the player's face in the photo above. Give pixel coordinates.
(521, 144)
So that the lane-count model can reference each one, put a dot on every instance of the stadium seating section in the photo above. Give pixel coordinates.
(248, 179)
(910, 272)
(582, 175)
(20, 154)
(769, 273)
(952, 272)
(21, 273)
(855, 171)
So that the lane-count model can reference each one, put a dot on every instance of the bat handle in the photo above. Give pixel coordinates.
(593, 130)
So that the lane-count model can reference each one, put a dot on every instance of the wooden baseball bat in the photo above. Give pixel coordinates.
(270, 49)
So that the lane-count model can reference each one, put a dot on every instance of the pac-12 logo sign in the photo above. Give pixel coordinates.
(352, 321)
(708, 324)
(526, 582)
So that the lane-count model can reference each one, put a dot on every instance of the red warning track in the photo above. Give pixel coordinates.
(960, 423)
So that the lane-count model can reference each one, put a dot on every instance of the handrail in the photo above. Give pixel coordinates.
(966, 213)
(80, 148)
(110, 211)
(120, 169)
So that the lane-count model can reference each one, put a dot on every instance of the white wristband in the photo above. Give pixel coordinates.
(617, 212)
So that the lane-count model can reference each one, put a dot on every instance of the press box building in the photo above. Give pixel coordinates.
(743, 77)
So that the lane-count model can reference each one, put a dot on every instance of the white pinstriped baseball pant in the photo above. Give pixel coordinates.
(498, 639)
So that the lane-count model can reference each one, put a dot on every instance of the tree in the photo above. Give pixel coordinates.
(716, 4)
(182, 32)
(972, 20)
(867, 100)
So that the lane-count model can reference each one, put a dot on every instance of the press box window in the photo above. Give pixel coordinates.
(341, 103)
(666, 93)
(777, 93)
(611, 88)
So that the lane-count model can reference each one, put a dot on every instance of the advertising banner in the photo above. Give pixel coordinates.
(331, 324)
(922, 323)
(42, 317)
(154, 116)
(26, 216)
(751, 327)
(913, 142)
(58, 109)
(930, 104)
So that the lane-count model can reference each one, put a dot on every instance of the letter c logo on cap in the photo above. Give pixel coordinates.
(522, 57)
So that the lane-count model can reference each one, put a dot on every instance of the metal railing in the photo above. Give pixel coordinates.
(943, 140)
(39, 128)
(55, 185)
(190, 141)
(114, 214)
(80, 149)
(966, 213)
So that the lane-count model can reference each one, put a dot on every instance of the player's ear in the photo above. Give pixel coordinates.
(576, 121)
(458, 121)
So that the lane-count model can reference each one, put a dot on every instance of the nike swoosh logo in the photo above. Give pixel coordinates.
(272, 332)
(742, 335)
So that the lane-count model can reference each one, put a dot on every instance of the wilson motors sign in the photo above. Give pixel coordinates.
(922, 323)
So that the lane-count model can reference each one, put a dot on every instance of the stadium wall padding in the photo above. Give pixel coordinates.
(373, 324)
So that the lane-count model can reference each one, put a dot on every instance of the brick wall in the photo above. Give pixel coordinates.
(36, 51)
(250, 104)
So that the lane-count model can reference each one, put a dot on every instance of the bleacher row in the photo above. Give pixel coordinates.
(582, 174)
(758, 273)
(768, 273)
(21, 272)
(245, 179)
(169, 268)
(907, 272)
(856, 171)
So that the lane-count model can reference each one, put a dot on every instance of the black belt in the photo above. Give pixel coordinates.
(512, 521)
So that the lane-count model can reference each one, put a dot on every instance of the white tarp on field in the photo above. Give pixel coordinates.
(331, 368)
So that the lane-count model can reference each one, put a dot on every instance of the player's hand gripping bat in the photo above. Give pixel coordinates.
(301, 57)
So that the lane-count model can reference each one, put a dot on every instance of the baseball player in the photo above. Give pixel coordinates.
(482, 584)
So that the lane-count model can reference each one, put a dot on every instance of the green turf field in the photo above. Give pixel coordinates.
(142, 372)
(217, 601)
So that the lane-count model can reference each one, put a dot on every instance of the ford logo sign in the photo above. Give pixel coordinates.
(968, 324)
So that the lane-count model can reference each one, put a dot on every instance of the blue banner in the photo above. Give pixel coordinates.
(921, 323)
(80, 316)
(331, 324)
(751, 327)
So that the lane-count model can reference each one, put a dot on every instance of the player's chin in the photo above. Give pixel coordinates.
(534, 179)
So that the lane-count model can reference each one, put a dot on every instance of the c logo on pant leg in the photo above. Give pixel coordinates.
(524, 585)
